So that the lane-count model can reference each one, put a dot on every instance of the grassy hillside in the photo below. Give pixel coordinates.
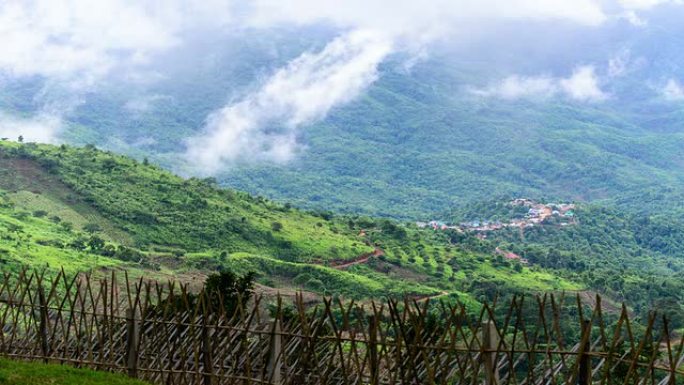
(83, 209)
(144, 206)
(22, 373)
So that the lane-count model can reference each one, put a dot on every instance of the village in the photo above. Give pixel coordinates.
(537, 214)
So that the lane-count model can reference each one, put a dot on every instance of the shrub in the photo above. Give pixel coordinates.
(92, 228)
(315, 285)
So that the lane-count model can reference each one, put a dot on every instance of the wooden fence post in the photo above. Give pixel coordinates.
(132, 340)
(207, 353)
(373, 350)
(43, 327)
(490, 341)
(275, 361)
(584, 377)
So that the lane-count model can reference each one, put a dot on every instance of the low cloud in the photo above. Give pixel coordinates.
(75, 46)
(582, 85)
(264, 125)
(516, 87)
(143, 104)
(645, 4)
(673, 91)
(43, 128)
(619, 64)
(71, 39)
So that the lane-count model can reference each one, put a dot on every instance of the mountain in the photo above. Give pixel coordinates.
(541, 110)
(428, 134)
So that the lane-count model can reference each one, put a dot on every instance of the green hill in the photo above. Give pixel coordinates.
(82, 208)
(85, 209)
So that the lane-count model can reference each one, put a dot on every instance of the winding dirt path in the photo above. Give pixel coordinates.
(422, 298)
(363, 258)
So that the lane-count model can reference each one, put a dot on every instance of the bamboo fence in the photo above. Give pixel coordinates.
(163, 334)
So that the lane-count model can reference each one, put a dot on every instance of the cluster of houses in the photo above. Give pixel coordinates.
(437, 225)
(537, 213)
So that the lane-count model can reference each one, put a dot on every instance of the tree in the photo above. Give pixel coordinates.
(67, 226)
(109, 164)
(227, 289)
(276, 226)
(21, 139)
(96, 243)
(40, 213)
(79, 243)
(223, 256)
(108, 250)
(92, 228)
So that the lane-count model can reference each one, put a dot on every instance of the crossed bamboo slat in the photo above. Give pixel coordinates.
(164, 334)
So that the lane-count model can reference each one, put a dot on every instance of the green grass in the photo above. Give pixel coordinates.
(361, 283)
(38, 242)
(532, 279)
(24, 373)
(146, 206)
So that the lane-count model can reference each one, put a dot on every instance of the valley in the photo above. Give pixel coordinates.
(316, 192)
(60, 210)
(83, 209)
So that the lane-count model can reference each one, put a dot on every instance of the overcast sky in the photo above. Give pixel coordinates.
(73, 46)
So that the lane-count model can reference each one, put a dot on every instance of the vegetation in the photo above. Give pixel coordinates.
(23, 373)
(83, 209)
(410, 147)
(629, 257)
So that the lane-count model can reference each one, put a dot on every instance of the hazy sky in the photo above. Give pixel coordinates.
(73, 46)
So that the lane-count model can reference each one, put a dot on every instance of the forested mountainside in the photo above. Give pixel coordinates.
(423, 137)
(82, 209)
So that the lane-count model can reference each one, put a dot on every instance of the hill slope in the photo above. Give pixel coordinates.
(89, 209)
(84, 209)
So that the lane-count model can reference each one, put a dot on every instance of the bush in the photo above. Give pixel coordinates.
(315, 285)
(92, 228)
(302, 279)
